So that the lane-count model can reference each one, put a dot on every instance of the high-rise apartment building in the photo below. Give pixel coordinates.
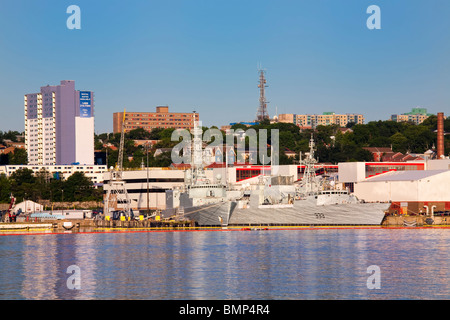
(59, 125)
(162, 118)
(417, 116)
(308, 121)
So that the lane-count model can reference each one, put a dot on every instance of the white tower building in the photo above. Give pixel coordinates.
(59, 125)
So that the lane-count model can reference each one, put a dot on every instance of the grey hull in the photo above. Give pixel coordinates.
(216, 214)
(308, 213)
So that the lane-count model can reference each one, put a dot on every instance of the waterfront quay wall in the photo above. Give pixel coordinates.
(416, 220)
(419, 207)
(98, 223)
(89, 224)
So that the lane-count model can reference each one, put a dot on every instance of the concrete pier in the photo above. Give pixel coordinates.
(24, 226)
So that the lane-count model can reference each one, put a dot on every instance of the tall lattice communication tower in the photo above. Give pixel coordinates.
(262, 109)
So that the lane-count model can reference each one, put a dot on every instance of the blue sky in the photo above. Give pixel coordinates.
(203, 55)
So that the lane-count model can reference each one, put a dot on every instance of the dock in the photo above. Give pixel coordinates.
(75, 225)
(25, 226)
(143, 224)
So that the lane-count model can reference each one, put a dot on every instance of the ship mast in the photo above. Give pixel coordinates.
(309, 182)
(197, 157)
(197, 171)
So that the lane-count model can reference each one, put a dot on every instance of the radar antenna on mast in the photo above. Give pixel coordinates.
(309, 184)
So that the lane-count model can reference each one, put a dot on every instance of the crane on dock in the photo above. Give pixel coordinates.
(117, 202)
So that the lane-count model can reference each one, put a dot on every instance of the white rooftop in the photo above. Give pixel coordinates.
(409, 175)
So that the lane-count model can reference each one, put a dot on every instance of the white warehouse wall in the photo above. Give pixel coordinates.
(435, 187)
(84, 140)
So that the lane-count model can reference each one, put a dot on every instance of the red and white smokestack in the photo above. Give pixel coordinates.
(440, 135)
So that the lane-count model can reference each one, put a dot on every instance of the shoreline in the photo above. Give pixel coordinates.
(39, 230)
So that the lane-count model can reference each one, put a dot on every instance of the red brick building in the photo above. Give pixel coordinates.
(162, 118)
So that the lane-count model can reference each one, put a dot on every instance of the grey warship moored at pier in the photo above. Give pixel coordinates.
(277, 200)
(206, 203)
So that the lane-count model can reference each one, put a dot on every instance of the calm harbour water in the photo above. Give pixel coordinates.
(272, 265)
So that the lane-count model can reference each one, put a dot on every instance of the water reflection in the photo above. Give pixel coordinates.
(40, 268)
(45, 261)
(301, 264)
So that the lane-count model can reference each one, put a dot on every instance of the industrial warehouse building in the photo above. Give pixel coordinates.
(159, 180)
(408, 189)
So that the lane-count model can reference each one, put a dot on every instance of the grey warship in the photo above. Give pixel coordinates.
(205, 203)
(200, 200)
(277, 200)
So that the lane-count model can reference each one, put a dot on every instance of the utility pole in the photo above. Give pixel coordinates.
(148, 191)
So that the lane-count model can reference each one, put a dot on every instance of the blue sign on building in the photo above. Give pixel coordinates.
(85, 104)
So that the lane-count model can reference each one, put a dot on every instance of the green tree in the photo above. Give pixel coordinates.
(23, 184)
(162, 160)
(380, 142)
(56, 190)
(78, 187)
(284, 159)
(10, 135)
(155, 134)
(420, 138)
(399, 142)
(166, 133)
(430, 122)
(5, 189)
(237, 126)
(19, 156)
(138, 134)
(42, 184)
(98, 145)
(4, 159)
(139, 157)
